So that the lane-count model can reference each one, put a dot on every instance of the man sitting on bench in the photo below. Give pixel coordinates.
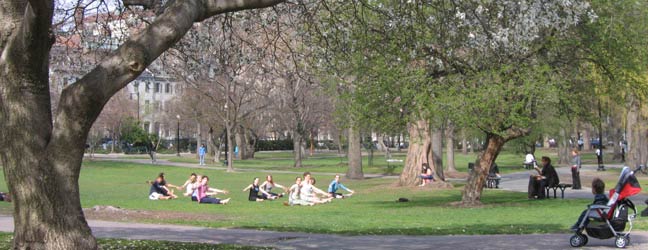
(548, 177)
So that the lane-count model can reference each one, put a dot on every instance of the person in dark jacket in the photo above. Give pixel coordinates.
(598, 189)
(495, 174)
(548, 177)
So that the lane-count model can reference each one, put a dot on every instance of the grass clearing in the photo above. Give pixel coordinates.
(372, 210)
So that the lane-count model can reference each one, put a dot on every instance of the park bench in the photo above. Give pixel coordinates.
(391, 168)
(561, 186)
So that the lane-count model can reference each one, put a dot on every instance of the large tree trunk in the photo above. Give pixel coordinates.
(450, 149)
(230, 148)
(464, 147)
(297, 149)
(41, 159)
(437, 153)
(637, 153)
(355, 155)
(418, 152)
(240, 143)
(472, 191)
(383, 147)
(250, 145)
(587, 142)
(198, 139)
(563, 147)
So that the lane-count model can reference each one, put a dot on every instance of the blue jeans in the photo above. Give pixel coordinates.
(210, 200)
(202, 159)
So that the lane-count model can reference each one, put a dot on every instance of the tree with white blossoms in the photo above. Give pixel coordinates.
(487, 63)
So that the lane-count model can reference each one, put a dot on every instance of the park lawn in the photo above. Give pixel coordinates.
(115, 244)
(508, 162)
(372, 210)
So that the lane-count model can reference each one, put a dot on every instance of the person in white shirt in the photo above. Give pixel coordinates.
(529, 161)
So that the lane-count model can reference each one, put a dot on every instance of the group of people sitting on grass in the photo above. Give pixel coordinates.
(196, 187)
(303, 192)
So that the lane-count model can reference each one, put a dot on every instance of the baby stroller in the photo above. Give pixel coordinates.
(610, 221)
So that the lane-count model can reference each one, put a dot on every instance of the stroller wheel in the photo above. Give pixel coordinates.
(621, 241)
(578, 240)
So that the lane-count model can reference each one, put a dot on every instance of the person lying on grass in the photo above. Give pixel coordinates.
(255, 189)
(204, 198)
(269, 184)
(159, 190)
(294, 195)
(335, 185)
(5, 197)
(309, 192)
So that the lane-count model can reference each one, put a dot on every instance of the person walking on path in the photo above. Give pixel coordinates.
(575, 169)
(201, 154)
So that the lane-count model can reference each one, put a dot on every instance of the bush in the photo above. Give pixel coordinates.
(264, 145)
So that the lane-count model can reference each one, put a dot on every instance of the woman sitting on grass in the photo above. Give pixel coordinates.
(426, 175)
(159, 189)
(254, 192)
(189, 185)
(204, 198)
(309, 192)
(269, 184)
(294, 195)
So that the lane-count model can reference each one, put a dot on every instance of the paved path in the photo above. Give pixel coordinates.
(286, 240)
(519, 182)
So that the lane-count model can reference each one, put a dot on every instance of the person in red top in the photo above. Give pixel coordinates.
(202, 196)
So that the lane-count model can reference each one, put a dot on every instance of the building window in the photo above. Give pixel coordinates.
(147, 105)
(136, 87)
(148, 87)
(168, 88)
(147, 126)
(157, 87)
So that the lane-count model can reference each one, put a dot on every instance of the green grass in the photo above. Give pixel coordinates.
(333, 163)
(114, 244)
(372, 210)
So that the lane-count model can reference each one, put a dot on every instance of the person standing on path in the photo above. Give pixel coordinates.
(201, 154)
(575, 169)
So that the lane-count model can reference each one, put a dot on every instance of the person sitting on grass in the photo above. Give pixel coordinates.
(426, 174)
(309, 192)
(5, 197)
(204, 198)
(269, 184)
(294, 195)
(159, 190)
(335, 185)
(598, 190)
(255, 189)
(189, 185)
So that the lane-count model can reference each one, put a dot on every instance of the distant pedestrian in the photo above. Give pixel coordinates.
(575, 169)
(201, 154)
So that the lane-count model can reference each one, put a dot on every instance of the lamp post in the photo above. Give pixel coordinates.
(601, 167)
(178, 136)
